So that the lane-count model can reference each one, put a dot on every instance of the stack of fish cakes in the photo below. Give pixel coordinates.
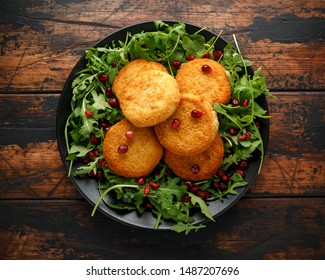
(174, 114)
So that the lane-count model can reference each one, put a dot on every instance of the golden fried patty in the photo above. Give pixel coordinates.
(149, 98)
(191, 129)
(131, 70)
(198, 167)
(131, 156)
(213, 86)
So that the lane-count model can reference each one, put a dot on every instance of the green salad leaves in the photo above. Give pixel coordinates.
(94, 109)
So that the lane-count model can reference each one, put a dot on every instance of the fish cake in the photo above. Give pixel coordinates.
(191, 129)
(150, 98)
(133, 156)
(131, 70)
(213, 86)
(198, 167)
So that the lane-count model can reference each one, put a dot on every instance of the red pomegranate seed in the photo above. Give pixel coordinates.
(206, 55)
(206, 68)
(95, 140)
(92, 173)
(176, 63)
(122, 149)
(189, 184)
(102, 163)
(203, 194)
(245, 102)
(186, 198)
(154, 185)
(146, 190)
(141, 180)
(93, 154)
(243, 164)
(222, 187)
(241, 137)
(241, 172)
(194, 188)
(248, 134)
(87, 159)
(220, 173)
(233, 131)
(190, 57)
(100, 175)
(108, 91)
(113, 64)
(104, 126)
(129, 134)
(217, 54)
(176, 123)
(258, 124)
(225, 178)
(113, 102)
(235, 102)
(148, 205)
(196, 114)
(103, 78)
(88, 114)
(195, 169)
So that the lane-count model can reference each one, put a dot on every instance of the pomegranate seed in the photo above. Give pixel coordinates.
(233, 131)
(222, 187)
(217, 54)
(220, 173)
(105, 126)
(93, 154)
(102, 162)
(186, 198)
(146, 190)
(154, 185)
(190, 57)
(203, 194)
(103, 78)
(141, 180)
(176, 123)
(195, 169)
(243, 164)
(129, 134)
(122, 149)
(225, 178)
(176, 63)
(257, 124)
(235, 102)
(87, 159)
(193, 189)
(206, 68)
(93, 139)
(206, 55)
(100, 176)
(92, 173)
(113, 102)
(241, 137)
(88, 114)
(196, 114)
(113, 64)
(189, 184)
(245, 102)
(148, 205)
(241, 172)
(248, 134)
(108, 91)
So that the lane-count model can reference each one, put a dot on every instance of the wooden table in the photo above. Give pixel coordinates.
(42, 214)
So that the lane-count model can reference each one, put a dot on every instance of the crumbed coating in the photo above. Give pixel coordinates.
(193, 135)
(213, 86)
(130, 71)
(150, 98)
(207, 162)
(143, 154)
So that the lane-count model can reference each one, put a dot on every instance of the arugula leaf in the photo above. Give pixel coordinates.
(187, 228)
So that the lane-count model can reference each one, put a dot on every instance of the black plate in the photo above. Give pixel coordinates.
(88, 187)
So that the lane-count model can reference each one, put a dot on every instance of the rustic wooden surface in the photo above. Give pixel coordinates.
(42, 214)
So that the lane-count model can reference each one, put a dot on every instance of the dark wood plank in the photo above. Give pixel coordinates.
(252, 229)
(48, 39)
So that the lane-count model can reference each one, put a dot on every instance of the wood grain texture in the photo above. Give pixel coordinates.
(48, 37)
(253, 229)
